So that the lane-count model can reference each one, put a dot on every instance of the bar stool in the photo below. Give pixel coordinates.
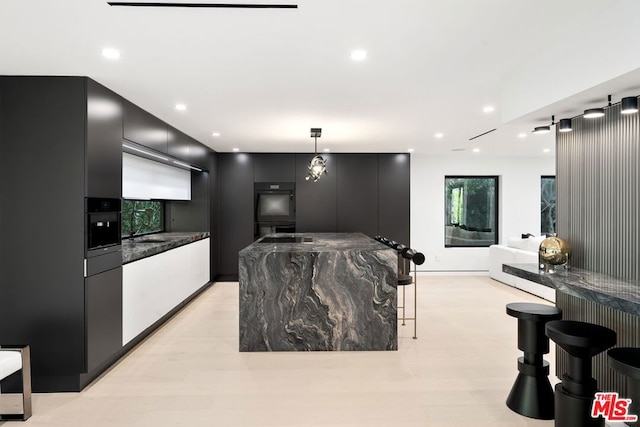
(405, 257)
(531, 394)
(626, 360)
(575, 394)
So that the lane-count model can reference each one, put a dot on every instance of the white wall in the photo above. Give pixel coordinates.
(519, 204)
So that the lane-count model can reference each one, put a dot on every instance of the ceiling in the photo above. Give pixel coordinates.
(263, 77)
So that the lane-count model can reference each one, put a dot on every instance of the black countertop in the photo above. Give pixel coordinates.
(315, 242)
(153, 244)
(609, 291)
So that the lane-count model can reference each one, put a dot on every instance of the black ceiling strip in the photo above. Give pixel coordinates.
(478, 136)
(221, 5)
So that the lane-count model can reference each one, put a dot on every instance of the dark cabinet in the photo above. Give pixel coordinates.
(235, 201)
(144, 128)
(103, 316)
(187, 149)
(357, 193)
(104, 142)
(67, 131)
(269, 167)
(178, 144)
(315, 201)
(394, 196)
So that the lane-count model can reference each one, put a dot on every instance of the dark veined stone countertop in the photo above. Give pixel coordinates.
(609, 291)
(152, 244)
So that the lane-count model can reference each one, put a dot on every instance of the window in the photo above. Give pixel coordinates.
(142, 217)
(548, 205)
(471, 215)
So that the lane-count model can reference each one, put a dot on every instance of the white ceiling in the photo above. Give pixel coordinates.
(263, 77)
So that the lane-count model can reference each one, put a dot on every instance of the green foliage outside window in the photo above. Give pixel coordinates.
(142, 217)
(471, 215)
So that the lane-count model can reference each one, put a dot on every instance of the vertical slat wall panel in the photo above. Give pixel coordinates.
(597, 192)
(597, 212)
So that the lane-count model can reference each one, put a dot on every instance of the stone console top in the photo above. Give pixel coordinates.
(321, 242)
(152, 244)
(621, 294)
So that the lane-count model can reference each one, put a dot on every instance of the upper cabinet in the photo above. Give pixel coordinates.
(104, 142)
(183, 147)
(144, 128)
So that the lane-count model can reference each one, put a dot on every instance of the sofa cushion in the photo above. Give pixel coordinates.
(532, 244)
(10, 362)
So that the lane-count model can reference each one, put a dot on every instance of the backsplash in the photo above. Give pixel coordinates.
(142, 216)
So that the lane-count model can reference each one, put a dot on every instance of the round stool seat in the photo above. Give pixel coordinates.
(533, 311)
(580, 339)
(404, 279)
(625, 360)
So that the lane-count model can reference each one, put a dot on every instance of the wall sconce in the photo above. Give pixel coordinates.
(629, 105)
(565, 125)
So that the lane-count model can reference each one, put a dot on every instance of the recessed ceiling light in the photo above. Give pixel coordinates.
(235, 150)
(180, 107)
(410, 150)
(110, 53)
(326, 150)
(522, 135)
(476, 150)
(488, 109)
(359, 54)
(439, 135)
(215, 134)
(546, 150)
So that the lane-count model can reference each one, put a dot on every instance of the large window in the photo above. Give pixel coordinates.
(142, 217)
(471, 214)
(548, 205)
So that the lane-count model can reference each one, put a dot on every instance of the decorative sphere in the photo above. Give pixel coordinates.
(554, 251)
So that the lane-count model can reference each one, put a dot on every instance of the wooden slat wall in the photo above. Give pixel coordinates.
(597, 212)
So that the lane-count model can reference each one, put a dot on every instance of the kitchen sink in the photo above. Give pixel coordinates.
(286, 239)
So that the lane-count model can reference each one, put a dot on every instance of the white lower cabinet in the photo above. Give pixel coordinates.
(153, 286)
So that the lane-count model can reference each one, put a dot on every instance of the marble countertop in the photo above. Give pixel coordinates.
(152, 244)
(321, 242)
(621, 294)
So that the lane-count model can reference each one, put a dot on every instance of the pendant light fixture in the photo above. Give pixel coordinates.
(565, 125)
(629, 105)
(593, 113)
(544, 129)
(317, 165)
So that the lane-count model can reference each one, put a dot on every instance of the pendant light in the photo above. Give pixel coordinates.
(317, 165)
(593, 113)
(565, 125)
(629, 105)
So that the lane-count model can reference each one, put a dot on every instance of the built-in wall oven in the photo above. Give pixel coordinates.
(102, 234)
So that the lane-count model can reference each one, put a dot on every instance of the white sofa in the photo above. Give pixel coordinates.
(518, 251)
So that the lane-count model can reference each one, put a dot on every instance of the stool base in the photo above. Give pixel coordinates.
(574, 411)
(532, 397)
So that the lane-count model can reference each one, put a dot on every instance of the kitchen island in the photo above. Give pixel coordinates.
(318, 292)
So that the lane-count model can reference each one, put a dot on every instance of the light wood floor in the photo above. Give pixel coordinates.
(190, 373)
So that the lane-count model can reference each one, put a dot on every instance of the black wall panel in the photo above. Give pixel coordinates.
(357, 193)
(104, 142)
(394, 197)
(316, 201)
(214, 214)
(235, 175)
(269, 167)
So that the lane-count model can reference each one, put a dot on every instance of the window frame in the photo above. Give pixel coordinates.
(447, 209)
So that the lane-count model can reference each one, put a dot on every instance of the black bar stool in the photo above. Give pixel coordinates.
(531, 394)
(626, 360)
(575, 394)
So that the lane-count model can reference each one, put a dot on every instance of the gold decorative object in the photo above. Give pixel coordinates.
(554, 254)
